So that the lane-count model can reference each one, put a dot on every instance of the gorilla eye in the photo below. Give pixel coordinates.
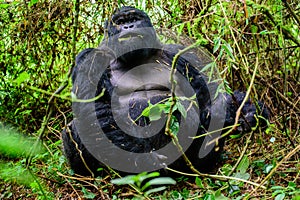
(133, 19)
(124, 19)
(120, 21)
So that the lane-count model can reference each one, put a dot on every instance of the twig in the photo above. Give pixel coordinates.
(168, 130)
(218, 177)
(68, 131)
(84, 179)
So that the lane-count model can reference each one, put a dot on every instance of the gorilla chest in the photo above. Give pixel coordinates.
(137, 87)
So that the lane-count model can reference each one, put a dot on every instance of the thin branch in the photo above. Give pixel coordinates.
(168, 130)
(218, 177)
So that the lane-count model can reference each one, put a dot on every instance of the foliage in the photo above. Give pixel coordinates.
(14, 145)
(36, 53)
(142, 184)
(154, 111)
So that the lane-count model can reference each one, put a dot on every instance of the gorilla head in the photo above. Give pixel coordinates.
(126, 19)
(130, 34)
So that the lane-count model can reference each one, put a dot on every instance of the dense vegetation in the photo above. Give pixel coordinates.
(248, 39)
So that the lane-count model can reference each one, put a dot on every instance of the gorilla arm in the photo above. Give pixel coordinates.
(90, 65)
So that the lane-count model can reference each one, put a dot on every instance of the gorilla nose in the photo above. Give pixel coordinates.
(128, 26)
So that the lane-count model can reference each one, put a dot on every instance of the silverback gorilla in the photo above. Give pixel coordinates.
(131, 71)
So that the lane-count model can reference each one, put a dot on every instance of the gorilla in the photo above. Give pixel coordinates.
(132, 88)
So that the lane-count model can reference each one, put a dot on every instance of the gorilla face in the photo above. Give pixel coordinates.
(127, 19)
(130, 34)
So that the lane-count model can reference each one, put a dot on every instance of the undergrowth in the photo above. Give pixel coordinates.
(38, 46)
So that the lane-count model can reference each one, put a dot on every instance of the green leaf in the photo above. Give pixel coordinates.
(220, 54)
(280, 196)
(181, 109)
(244, 176)
(268, 168)
(208, 66)
(155, 113)
(146, 112)
(265, 32)
(100, 169)
(219, 90)
(276, 192)
(243, 165)
(2, 5)
(123, 181)
(236, 136)
(174, 125)
(32, 2)
(167, 106)
(199, 183)
(16, 174)
(14, 145)
(220, 196)
(188, 26)
(226, 169)
(292, 185)
(142, 176)
(180, 29)
(22, 77)
(209, 197)
(217, 44)
(162, 181)
(254, 29)
(228, 50)
(159, 181)
(276, 187)
(158, 189)
(87, 194)
(296, 197)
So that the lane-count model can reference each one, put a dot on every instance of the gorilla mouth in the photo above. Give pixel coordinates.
(152, 92)
(152, 87)
(129, 35)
